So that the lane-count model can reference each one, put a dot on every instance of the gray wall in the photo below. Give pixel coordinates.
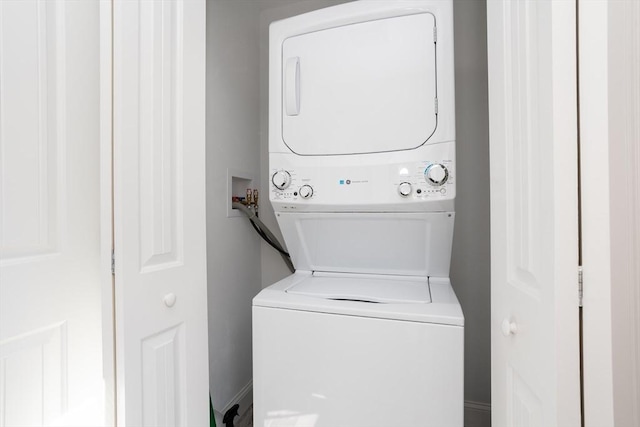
(470, 265)
(234, 251)
(240, 264)
(233, 267)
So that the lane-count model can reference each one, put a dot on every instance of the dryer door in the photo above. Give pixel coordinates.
(362, 88)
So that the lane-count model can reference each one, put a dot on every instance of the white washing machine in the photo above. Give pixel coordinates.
(368, 331)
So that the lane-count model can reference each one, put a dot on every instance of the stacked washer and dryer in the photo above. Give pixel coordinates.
(367, 331)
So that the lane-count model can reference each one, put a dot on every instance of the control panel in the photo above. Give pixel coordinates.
(429, 180)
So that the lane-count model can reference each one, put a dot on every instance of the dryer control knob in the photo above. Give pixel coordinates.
(404, 189)
(306, 191)
(281, 179)
(436, 174)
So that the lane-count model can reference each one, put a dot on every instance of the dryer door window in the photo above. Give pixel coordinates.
(362, 88)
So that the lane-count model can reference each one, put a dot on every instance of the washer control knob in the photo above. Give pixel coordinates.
(281, 179)
(404, 189)
(436, 174)
(306, 191)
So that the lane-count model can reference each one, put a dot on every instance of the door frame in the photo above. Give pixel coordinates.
(106, 211)
(609, 62)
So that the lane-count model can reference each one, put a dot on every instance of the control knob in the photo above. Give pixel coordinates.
(281, 179)
(306, 191)
(404, 189)
(436, 174)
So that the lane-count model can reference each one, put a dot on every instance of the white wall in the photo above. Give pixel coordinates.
(610, 160)
(624, 184)
(232, 142)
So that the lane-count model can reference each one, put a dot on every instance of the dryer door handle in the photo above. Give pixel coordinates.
(292, 86)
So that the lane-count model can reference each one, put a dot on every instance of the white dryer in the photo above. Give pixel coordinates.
(368, 331)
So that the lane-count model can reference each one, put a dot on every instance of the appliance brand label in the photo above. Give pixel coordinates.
(349, 181)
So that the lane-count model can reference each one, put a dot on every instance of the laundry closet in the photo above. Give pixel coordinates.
(240, 265)
(119, 269)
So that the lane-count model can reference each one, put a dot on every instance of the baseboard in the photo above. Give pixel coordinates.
(244, 398)
(477, 414)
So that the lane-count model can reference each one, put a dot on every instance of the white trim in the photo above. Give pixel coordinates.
(477, 414)
(624, 207)
(609, 105)
(106, 213)
(594, 182)
(244, 398)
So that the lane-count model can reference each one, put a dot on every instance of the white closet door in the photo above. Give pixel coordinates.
(534, 213)
(160, 275)
(50, 295)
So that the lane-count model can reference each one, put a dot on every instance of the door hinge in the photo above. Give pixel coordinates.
(435, 104)
(113, 262)
(580, 286)
(435, 34)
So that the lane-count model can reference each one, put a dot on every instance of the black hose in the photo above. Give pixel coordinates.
(266, 239)
(230, 415)
(265, 233)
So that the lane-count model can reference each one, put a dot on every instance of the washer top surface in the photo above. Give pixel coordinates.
(364, 288)
(413, 299)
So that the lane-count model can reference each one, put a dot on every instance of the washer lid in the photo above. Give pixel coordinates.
(364, 287)
(343, 87)
(444, 308)
(416, 244)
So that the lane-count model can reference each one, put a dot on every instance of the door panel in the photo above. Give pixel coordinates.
(33, 123)
(50, 294)
(160, 275)
(534, 229)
